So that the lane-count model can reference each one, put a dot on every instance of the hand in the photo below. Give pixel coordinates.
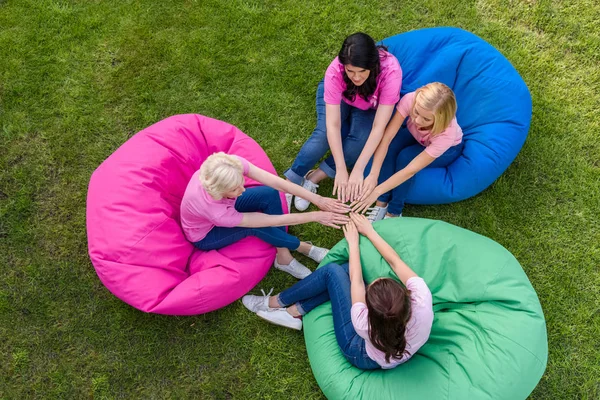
(369, 184)
(331, 219)
(351, 234)
(362, 205)
(340, 185)
(333, 205)
(355, 185)
(363, 226)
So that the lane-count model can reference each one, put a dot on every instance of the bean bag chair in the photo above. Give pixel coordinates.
(494, 108)
(488, 339)
(134, 233)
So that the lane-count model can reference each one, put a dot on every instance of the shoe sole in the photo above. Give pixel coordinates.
(279, 324)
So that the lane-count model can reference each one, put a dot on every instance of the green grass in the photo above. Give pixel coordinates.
(79, 78)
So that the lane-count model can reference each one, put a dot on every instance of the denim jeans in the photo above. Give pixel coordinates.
(331, 282)
(403, 149)
(264, 199)
(356, 127)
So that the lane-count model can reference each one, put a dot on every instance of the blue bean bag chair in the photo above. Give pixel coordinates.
(494, 107)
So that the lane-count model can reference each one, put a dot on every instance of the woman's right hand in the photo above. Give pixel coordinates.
(362, 224)
(340, 185)
(331, 219)
(369, 184)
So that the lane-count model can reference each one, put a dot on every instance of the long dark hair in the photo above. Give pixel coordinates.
(360, 50)
(389, 311)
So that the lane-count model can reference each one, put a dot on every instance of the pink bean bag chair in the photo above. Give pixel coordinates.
(134, 233)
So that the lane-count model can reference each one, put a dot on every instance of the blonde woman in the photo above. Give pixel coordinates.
(431, 138)
(217, 211)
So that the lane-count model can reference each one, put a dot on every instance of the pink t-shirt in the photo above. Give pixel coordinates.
(436, 145)
(200, 212)
(387, 91)
(417, 329)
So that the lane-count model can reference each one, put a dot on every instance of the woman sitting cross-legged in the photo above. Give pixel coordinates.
(217, 211)
(379, 326)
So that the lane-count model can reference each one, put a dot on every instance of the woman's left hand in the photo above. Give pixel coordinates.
(355, 184)
(333, 205)
(359, 206)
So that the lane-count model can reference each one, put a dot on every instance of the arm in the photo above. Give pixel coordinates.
(282, 185)
(387, 252)
(355, 183)
(417, 164)
(390, 132)
(333, 121)
(260, 220)
(357, 284)
(382, 117)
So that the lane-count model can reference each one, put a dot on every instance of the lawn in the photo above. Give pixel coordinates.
(78, 78)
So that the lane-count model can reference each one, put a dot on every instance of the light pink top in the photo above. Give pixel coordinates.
(387, 91)
(200, 212)
(417, 329)
(436, 145)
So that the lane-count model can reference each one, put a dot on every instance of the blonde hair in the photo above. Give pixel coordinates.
(439, 99)
(221, 173)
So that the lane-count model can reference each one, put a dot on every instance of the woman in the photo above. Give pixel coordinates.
(354, 104)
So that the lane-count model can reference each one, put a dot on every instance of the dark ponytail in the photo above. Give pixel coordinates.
(389, 308)
(360, 50)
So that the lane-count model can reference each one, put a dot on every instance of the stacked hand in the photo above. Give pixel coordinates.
(332, 205)
(331, 219)
(358, 223)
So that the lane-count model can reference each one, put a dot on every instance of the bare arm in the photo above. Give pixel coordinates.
(388, 253)
(333, 122)
(357, 284)
(282, 185)
(390, 132)
(382, 117)
(260, 220)
(418, 163)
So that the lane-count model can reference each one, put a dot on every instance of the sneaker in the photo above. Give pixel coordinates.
(317, 253)
(376, 213)
(295, 268)
(279, 316)
(389, 216)
(288, 200)
(256, 303)
(300, 203)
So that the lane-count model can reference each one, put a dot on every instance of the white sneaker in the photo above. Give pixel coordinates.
(388, 217)
(256, 303)
(376, 213)
(300, 203)
(288, 199)
(279, 316)
(295, 268)
(317, 253)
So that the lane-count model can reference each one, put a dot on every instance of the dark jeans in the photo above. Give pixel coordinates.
(263, 199)
(403, 149)
(356, 127)
(331, 283)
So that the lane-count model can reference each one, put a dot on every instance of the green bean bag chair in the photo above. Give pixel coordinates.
(488, 339)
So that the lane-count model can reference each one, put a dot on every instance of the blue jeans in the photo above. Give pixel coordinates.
(356, 127)
(403, 149)
(331, 282)
(261, 198)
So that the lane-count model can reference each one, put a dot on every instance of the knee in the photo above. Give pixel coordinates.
(334, 270)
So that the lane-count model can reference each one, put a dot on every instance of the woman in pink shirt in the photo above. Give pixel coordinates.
(380, 326)
(216, 211)
(354, 104)
(431, 138)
